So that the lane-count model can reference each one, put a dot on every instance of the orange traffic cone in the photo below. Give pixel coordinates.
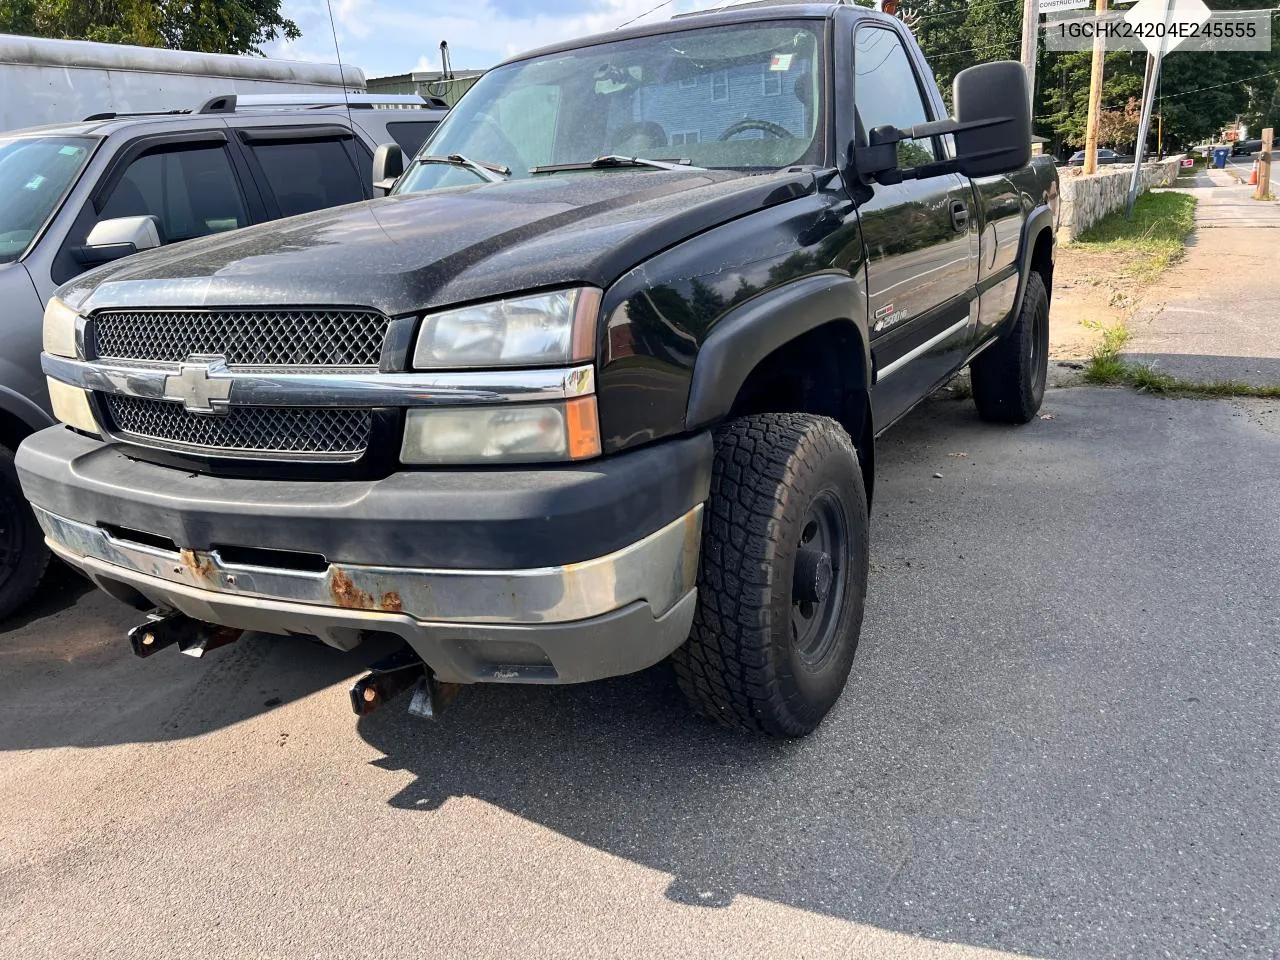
(1253, 175)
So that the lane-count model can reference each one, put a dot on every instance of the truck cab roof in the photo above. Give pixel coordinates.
(750, 12)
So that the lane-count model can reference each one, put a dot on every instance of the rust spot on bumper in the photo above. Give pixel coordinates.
(346, 594)
(198, 563)
(391, 602)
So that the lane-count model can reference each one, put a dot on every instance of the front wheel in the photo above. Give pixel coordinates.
(783, 575)
(1009, 376)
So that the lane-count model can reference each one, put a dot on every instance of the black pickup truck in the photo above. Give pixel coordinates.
(598, 384)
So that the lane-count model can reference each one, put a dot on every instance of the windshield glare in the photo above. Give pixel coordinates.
(732, 97)
(34, 174)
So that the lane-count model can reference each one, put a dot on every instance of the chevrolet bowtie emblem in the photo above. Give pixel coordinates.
(201, 385)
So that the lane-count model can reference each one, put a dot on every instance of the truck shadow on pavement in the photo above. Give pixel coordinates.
(1019, 762)
(68, 677)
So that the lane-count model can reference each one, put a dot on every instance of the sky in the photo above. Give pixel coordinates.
(384, 37)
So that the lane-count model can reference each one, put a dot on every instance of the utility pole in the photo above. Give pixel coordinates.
(1030, 31)
(1095, 97)
(1264, 164)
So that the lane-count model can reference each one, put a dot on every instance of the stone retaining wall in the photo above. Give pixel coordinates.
(1086, 200)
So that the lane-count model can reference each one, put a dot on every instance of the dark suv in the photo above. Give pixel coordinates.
(73, 196)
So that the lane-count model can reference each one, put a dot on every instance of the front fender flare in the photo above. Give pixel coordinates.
(22, 411)
(751, 331)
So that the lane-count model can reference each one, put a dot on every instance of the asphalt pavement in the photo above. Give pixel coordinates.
(1062, 739)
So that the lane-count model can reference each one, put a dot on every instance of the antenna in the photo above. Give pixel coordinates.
(342, 73)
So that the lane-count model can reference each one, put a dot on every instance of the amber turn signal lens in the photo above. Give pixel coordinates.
(582, 424)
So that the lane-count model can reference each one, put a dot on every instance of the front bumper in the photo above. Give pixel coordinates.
(128, 525)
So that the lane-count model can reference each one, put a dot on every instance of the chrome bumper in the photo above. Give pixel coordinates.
(583, 621)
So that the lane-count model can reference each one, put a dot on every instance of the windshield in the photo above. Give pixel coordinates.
(739, 97)
(35, 172)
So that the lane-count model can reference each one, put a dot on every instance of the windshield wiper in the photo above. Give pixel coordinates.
(493, 172)
(613, 160)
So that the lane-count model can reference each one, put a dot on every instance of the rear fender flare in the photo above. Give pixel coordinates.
(1039, 220)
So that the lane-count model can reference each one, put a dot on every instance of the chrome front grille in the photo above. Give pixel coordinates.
(274, 432)
(249, 338)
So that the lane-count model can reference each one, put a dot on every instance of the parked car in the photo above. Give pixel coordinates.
(611, 396)
(1104, 156)
(73, 196)
(1244, 148)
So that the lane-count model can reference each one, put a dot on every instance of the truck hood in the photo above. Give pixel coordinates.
(418, 251)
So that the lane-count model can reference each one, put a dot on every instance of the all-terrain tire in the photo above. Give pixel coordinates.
(753, 660)
(23, 553)
(1009, 376)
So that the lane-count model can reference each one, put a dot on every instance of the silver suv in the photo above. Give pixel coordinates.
(74, 196)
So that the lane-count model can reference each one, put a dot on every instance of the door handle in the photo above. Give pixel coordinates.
(959, 215)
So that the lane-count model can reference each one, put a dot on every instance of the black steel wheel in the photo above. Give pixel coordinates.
(23, 554)
(783, 575)
(1009, 376)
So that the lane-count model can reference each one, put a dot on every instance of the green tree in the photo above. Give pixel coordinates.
(208, 26)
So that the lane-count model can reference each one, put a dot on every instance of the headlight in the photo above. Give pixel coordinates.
(508, 434)
(543, 329)
(60, 329)
(71, 406)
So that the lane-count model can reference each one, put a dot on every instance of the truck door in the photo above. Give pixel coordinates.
(920, 238)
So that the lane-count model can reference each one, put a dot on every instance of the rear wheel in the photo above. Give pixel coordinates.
(783, 575)
(23, 554)
(1009, 376)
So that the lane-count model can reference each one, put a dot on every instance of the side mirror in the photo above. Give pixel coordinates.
(992, 130)
(388, 166)
(993, 109)
(119, 237)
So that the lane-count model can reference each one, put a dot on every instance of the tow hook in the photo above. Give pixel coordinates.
(193, 637)
(395, 674)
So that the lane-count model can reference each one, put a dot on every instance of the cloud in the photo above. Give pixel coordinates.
(389, 36)
(426, 64)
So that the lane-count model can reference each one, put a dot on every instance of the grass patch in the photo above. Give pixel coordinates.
(1153, 240)
(1107, 367)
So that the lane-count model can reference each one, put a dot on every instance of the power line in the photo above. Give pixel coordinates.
(1184, 93)
(962, 10)
(641, 16)
(955, 53)
(1212, 86)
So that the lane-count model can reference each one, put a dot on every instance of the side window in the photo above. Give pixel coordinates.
(411, 134)
(306, 175)
(191, 191)
(886, 91)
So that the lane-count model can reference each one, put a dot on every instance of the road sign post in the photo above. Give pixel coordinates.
(1158, 42)
(1154, 61)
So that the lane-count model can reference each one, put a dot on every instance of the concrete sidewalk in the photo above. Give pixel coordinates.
(1215, 316)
